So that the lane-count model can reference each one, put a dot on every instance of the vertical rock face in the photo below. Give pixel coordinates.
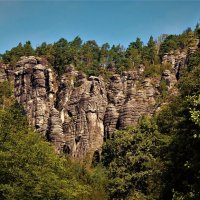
(71, 115)
(35, 89)
(82, 103)
(177, 60)
(55, 130)
(128, 99)
(77, 113)
(5, 73)
(169, 78)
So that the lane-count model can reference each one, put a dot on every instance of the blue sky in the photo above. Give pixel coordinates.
(104, 21)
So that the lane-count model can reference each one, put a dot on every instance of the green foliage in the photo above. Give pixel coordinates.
(90, 53)
(117, 58)
(180, 119)
(152, 71)
(15, 53)
(156, 70)
(133, 53)
(170, 43)
(46, 51)
(61, 56)
(133, 164)
(90, 58)
(163, 88)
(193, 60)
(189, 84)
(152, 51)
(160, 158)
(30, 168)
(28, 49)
(5, 92)
(134, 57)
(195, 108)
(104, 55)
(138, 44)
(98, 183)
(187, 38)
(183, 41)
(182, 154)
(197, 29)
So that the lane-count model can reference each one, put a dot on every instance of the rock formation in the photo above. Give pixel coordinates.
(71, 117)
(5, 73)
(82, 103)
(35, 89)
(77, 113)
(175, 58)
(128, 100)
(178, 60)
(169, 78)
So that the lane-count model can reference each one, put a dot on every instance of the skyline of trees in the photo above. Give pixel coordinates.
(92, 59)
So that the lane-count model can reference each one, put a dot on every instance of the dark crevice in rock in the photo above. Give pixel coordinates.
(77, 139)
(47, 86)
(118, 124)
(69, 113)
(66, 149)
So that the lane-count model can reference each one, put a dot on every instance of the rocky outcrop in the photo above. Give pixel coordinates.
(55, 131)
(128, 99)
(6, 73)
(78, 112)
(169, 78)
(35, 89)
(82, 103)
(71, 115)
(177, 60)
(3, 75)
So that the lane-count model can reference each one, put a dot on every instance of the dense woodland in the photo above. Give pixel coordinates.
(157, 160)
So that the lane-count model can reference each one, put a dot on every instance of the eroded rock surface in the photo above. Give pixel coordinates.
(169, 78)
(35, 89)
(3, 75)
(6, 74)
(128, 99)
(177, 60)
(78, 112)
(82, 103)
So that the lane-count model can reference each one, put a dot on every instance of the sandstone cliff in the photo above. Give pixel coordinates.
(77, 113)
(6, 73)
(129, 98)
